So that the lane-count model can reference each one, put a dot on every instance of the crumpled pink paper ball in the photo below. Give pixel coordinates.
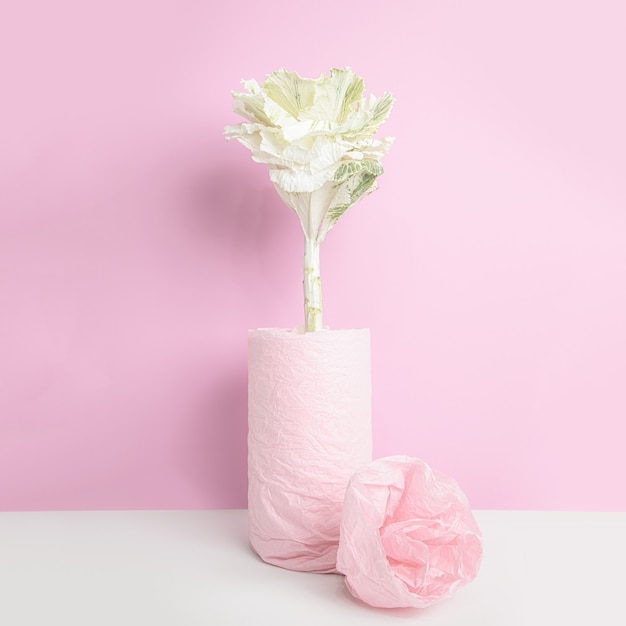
(408, 537)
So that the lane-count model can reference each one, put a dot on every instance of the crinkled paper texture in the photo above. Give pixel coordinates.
(309, 430)
(408, 536)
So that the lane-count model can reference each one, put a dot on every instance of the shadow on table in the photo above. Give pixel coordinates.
(344, 594)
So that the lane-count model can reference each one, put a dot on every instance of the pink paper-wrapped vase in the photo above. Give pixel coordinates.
(309, 430)
(408, 536)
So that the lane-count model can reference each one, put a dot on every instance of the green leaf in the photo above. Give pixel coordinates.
(382, 109)
(363, 184)
(350, 168)
(356, 179)
(349, 89)
(290, 91)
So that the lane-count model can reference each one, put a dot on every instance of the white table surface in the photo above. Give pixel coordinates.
(187, 568)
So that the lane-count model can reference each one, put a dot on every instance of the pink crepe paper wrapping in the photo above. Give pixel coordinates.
(309, 430)
(408, 536)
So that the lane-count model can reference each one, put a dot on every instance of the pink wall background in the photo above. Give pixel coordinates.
(137, 247)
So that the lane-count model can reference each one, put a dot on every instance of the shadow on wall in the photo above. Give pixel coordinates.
(234, 209)
(234, 219)
(216, 462)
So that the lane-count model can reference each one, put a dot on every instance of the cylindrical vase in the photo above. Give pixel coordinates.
(309, 430)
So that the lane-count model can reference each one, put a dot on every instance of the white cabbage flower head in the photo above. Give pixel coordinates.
(317, 138)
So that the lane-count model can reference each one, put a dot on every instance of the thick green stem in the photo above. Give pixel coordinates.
(312, 286)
